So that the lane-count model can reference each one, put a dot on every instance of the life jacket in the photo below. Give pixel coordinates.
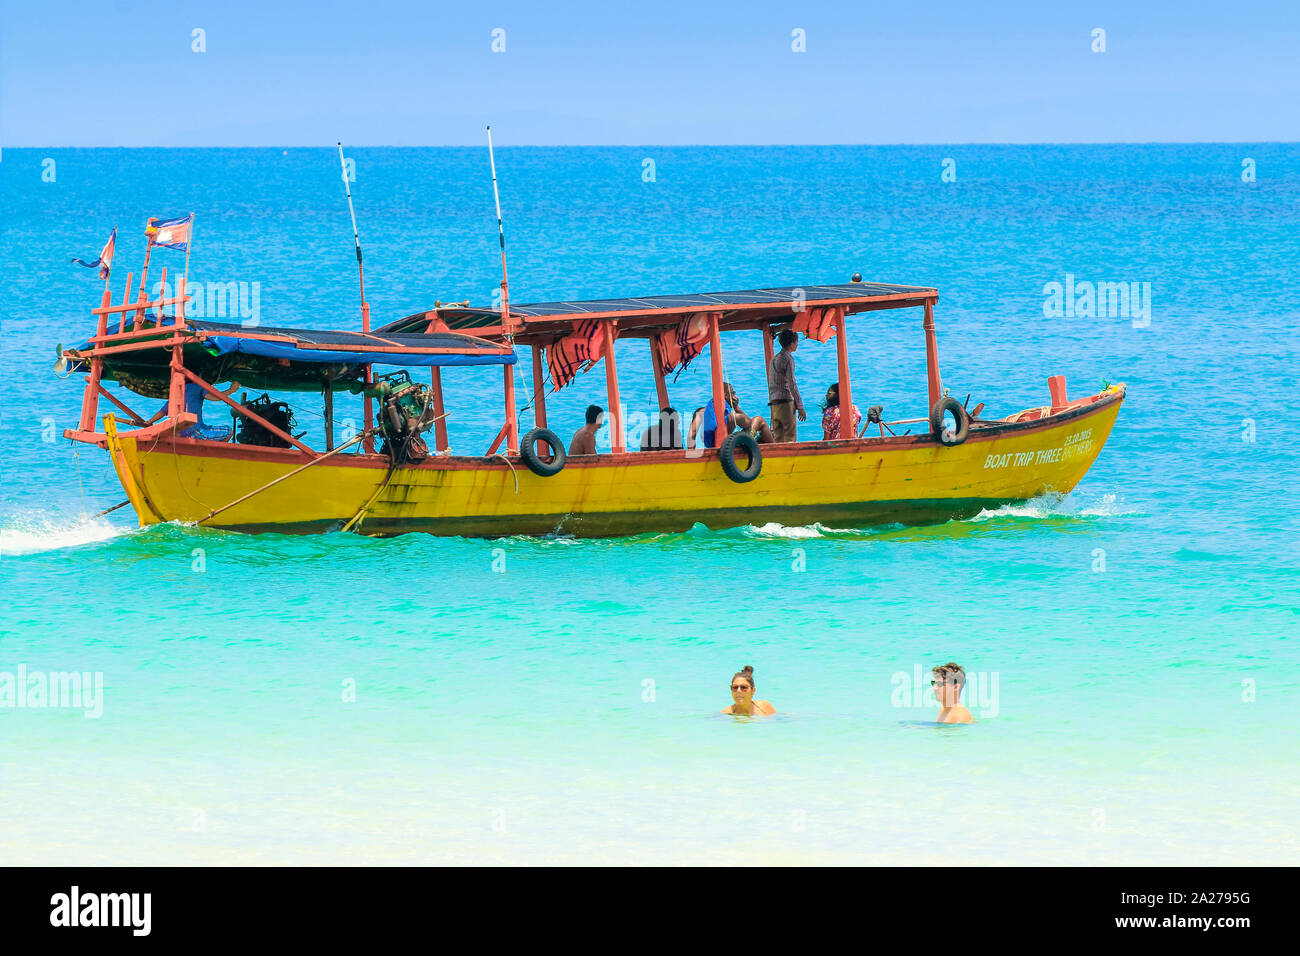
(818, 324)
(570, 355)
(677, 347)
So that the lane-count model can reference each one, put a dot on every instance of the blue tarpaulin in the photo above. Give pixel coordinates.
(438, 348)
(295, 353)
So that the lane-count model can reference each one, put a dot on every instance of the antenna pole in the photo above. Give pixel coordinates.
(365, 306)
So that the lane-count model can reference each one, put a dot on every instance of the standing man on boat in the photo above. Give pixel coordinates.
(782, 392)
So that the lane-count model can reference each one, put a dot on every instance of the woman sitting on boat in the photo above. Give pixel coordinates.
(705, 419)
(831, 415)
(742, 696)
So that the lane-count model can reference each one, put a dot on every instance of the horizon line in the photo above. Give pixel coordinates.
(1152, 142)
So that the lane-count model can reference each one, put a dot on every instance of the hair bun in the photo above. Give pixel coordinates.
(747, 670)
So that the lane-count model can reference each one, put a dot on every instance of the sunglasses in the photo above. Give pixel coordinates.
(740, 687)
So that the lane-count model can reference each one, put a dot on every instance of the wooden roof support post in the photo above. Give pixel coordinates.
(539, 395)
(539, 387)
(661, 385)
(90, 399)
(440, 424)
(767, 354)
(618, 445)
(367, 443)
(176, 389)
(846, 387)
(512, 413)
(715, 372)
(329, 416)
(933, 379)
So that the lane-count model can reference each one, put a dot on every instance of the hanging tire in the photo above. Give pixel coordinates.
(528, 452)
(957, 436)
(748, 446)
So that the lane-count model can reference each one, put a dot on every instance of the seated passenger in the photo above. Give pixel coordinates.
(584, 439)
(742, 696)
(831, 416)
(664, 434)
(697, 421)
(194, 399)
(706, 420)
(756, 426)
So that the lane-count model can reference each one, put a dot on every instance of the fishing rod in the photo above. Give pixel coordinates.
(356, 240)
(501, 234)
(365, 306)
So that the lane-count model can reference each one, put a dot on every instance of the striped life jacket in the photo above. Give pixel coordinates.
(679, 346)
(575, 352)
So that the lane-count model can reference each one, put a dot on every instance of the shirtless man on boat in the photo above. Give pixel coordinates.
(584, 439)
(742, 696)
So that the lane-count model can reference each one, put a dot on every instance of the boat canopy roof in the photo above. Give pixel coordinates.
(283, 358)
(744, 309)
(333, 347)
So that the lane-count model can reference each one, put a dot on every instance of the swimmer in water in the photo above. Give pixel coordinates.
(949, 679)
(742, 695)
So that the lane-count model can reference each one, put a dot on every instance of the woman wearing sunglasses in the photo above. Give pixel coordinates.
(742, 696)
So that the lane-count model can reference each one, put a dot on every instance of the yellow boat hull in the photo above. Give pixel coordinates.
(854, 483)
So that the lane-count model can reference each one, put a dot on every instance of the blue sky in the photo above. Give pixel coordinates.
(391, 72)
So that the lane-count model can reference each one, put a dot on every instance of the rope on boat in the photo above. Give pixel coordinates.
(315, 461)
(511, 467)
(100, 514)
(360, 515)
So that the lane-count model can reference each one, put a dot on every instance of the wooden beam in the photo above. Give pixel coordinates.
(440, 423)
(715, 371)
(512, 412)
(846, 388)
(539, 394)
(618, 445)
(90, 397)
(933, 379)
(661, 385)
(135, 419)
(245, 412)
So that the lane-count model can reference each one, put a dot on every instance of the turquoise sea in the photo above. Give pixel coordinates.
(342, 699)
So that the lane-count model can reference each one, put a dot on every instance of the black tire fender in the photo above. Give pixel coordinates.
(727, 455)
(528, 452)
(959, 413)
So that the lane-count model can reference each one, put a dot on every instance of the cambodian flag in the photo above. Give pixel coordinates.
(105, 260)
(171, 233)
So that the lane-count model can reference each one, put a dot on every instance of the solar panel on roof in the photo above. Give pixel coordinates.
(469, 318)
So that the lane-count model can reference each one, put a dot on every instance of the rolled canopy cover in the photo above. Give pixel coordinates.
(225, 345)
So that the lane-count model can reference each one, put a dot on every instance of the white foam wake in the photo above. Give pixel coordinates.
(1059, 506)
(774, 530)
(33, 535)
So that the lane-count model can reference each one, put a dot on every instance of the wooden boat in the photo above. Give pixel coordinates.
(173, 470)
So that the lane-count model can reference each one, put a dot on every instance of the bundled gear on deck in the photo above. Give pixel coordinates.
(279, 414)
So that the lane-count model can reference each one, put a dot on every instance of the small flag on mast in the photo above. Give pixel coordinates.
(170, 233)
(105, 260)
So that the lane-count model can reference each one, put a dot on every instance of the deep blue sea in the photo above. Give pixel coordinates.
(342, 699)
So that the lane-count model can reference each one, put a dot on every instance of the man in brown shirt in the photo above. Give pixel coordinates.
(782, 392)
